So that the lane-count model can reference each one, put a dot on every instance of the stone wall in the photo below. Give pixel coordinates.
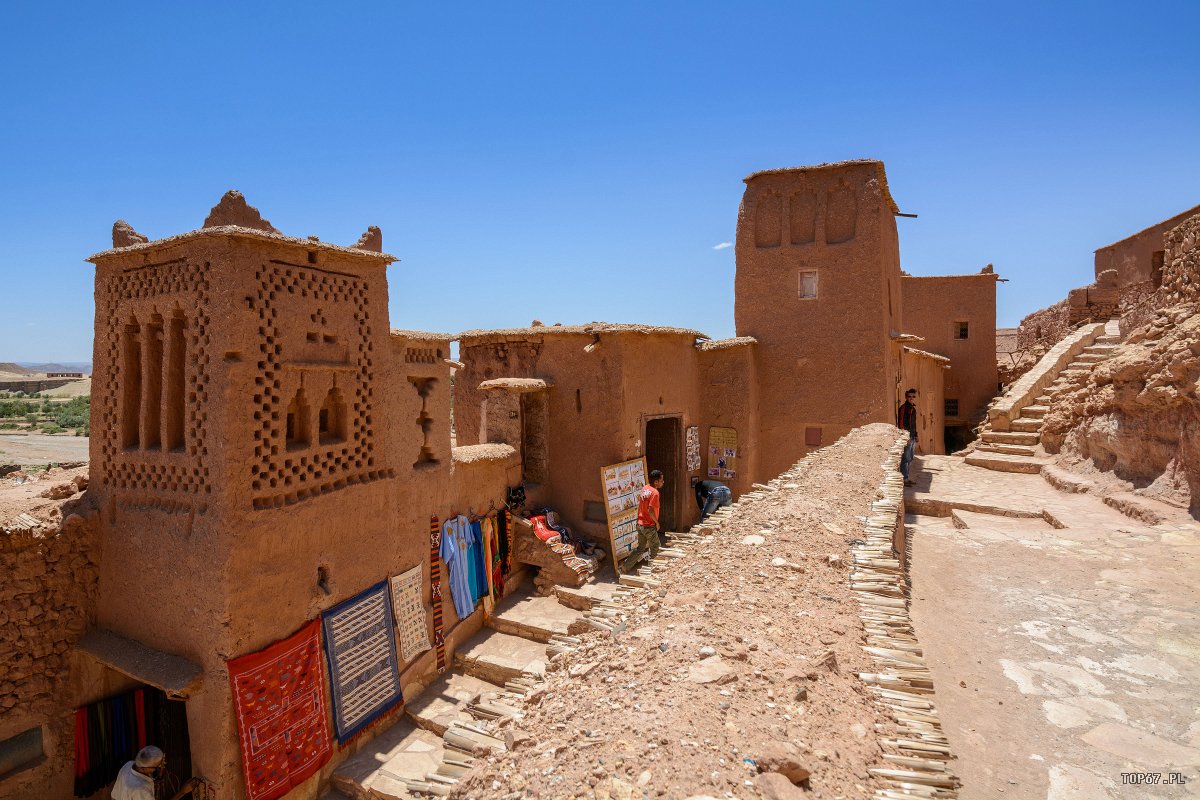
(47, 601)
(1181, 273)
(1043, 327)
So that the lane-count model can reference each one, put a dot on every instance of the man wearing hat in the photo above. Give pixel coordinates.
(135, 781)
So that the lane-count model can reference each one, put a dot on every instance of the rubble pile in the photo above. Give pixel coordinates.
(740, 670)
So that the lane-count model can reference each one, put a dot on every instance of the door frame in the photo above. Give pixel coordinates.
(676, 464)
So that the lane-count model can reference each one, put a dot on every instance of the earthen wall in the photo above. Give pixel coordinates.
(1134, 256)
(47, 602)
(818, 285)
(926, 373)
(935, 308)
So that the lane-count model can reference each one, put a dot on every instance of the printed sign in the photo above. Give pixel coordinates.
(722, 453)
(621, 483)
(693, 448)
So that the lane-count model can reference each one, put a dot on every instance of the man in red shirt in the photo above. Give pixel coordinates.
(647, 521)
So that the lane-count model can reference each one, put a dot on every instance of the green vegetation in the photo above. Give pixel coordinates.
(46, 415)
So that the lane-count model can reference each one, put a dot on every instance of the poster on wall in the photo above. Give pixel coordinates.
(722, 453)
(621, 483)
(693, 448)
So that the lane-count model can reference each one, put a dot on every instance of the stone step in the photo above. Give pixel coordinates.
(1101, 349)
(1035, 412)
(586, 597)
(1026, 425)
(1011, 437)
(1075, 368)
(1002, 463)
(536, 618)
(1006, 449)
(385, 764)
(1090, 358)
(1107, 339)
(1044, 400)
(446, 701)
(499, 657)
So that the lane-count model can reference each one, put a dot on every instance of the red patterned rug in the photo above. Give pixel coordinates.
(279, 697)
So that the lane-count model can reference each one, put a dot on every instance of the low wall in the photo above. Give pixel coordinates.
(47, 600)
(1022, 393)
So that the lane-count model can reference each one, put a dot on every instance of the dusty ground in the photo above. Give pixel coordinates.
(39, 448)
(21, 493)
(1063, 657)
(652, 714)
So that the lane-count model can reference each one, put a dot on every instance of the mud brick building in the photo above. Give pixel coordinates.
(265, 447)
(826, 342)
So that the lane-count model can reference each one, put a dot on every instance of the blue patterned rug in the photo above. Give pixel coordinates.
(363, 669)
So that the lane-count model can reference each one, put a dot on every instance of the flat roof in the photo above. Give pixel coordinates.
(725, 344)
(426, 336)
(854, 162)
(1171, 221)
(238, 232)
(583, 330)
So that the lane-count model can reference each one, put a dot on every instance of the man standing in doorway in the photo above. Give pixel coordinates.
(906, 420)
(647, 521)
(135, 781)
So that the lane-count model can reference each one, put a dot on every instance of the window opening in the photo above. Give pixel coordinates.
(131, 385)
(331, 421)
(176, 346)
(951, 407)
(535, 424)
(808, 285)
(812, 437)
(961, 330)
(297, 422)
(152, 350)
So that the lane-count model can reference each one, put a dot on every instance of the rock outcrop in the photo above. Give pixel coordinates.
(1137, 416)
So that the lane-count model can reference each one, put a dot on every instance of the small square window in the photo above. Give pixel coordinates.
(951, 407)
(808, 285)
(961, 330)
(812, 437)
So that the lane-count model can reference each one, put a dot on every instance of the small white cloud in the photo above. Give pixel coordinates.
(722, 245)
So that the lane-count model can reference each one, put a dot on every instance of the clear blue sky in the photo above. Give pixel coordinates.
(578, 161)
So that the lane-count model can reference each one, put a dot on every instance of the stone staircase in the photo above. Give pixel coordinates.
(1017, 449)
(465, 712)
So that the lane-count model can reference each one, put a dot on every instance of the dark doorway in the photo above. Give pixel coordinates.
(956, 437)
(664, 449)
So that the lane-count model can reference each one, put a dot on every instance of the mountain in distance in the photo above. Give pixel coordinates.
(60, 366)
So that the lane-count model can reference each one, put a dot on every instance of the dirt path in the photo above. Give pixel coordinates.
(38, 448)
(1063, 657)
(725, 669)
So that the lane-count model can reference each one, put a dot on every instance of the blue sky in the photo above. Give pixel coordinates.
(580, 161)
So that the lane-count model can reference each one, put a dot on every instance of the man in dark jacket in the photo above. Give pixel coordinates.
(711, 495)
(906, 420)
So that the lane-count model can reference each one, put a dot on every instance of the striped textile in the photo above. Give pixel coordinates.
(435, 578)
(363, 668)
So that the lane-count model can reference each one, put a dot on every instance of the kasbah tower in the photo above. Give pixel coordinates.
(818, 285)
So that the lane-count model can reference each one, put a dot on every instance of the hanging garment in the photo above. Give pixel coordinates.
(478, 568)
(488, 531)
(502, 528)
(492, 553)
(110, 732)
(455, 553)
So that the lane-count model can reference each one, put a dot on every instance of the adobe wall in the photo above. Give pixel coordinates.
(933, 307)
(47, 602)
(601, 399)
(826, 360)
(1133, 256)
(926, 374)
(1044, 327)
